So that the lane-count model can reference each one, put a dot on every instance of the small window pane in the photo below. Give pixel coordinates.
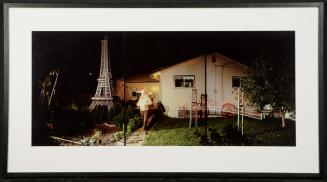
(236, 81)
(184, 81)
(188, 82)
(179, 82)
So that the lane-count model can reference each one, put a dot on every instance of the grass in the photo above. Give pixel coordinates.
(175, 132)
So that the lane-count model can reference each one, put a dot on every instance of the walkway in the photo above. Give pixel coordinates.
(136, 139)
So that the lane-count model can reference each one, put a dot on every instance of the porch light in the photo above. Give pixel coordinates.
(155, 88)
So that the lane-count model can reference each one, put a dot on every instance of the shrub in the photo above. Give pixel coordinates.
(133, 121)
(72, 107)
(232, 136)
(119, 135)
(229, 136)
(203, 138)
(69, 120)
(124, 116)
(111, 114)
(132, 124)
(214, 137)
(93, 140)
(101, 113)
(130, 103)
(119, 120)
(104, 115)
(129, 112)
(87, 115)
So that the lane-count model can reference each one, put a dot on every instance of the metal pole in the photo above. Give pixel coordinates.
(205, 98)
(124, 62)
(242, 112)
(242, 120)
(238, 108)
(190, 124)
(205, 89)
(196, 116)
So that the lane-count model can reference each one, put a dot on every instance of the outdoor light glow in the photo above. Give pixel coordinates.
(155, 75)
(155, 88)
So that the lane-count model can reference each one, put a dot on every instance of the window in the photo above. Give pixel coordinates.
(236, 81)
(186, 81)
(136, 94)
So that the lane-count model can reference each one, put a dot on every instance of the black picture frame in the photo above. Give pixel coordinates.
(322, 176)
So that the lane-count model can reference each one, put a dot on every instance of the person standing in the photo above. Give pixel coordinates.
(144, 104)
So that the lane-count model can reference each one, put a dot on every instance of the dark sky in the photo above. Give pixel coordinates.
(77, 54)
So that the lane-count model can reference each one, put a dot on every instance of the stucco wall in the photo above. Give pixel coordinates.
(230, 93)
(153, 87)
(119, 89)
(173, 98)
(219, 82)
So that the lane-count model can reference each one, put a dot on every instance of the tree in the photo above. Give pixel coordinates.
(48, 88)
(271, 81)
(45, 105)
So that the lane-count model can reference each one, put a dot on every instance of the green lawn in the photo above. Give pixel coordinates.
(175, 132)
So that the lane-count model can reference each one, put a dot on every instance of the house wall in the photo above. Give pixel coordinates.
(214, 81)
(119, 89)
(219, 80)
(230, 93)
(153, 87)
(175, 98)
(219, 83)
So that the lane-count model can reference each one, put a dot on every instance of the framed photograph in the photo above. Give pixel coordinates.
(176, 90)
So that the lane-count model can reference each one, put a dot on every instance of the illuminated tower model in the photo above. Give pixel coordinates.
(104, 92)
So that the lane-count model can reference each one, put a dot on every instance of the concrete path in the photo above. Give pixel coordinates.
(136, 139)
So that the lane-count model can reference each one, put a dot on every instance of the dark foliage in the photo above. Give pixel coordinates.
(71, 121)
(271, 83)
(233, 136)
(230, 136)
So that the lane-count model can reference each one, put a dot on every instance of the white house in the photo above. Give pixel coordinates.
(223, 79)
(173, 85)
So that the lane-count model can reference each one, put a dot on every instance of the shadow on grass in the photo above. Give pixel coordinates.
(175, 131)
(164, 122)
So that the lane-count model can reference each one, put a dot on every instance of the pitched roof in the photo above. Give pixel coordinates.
(211, 54)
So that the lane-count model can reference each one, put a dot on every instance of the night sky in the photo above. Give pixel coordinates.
(77, 54)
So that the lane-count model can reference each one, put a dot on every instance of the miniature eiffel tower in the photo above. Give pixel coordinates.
(104, 92)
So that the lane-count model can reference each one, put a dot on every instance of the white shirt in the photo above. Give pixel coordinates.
(144, 102)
